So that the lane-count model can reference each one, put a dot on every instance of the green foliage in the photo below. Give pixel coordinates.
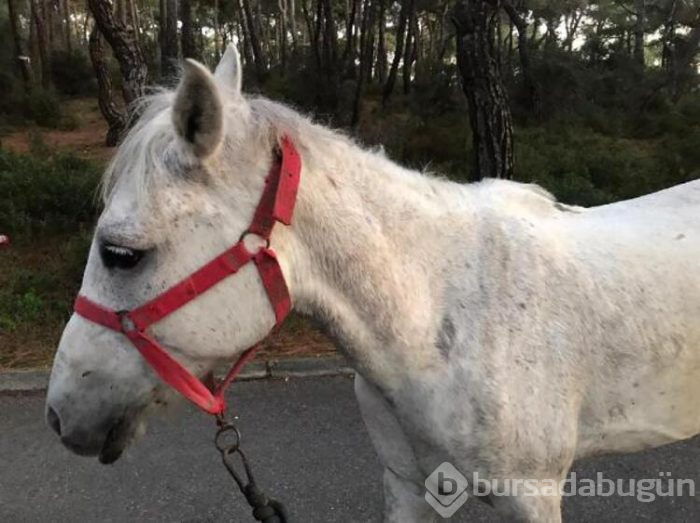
(42, 106)
(37, 285)
(585, 167)
(45, 195)
(72, 73)
(18, 105)
(48, 209)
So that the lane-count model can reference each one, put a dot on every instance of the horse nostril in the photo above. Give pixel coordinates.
(53, 420)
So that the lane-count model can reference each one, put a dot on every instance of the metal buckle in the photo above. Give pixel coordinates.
(247, 233)
(126, 322)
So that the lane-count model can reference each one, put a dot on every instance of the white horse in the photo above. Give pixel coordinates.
(490, 326)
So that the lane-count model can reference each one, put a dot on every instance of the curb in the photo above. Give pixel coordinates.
(36, 380)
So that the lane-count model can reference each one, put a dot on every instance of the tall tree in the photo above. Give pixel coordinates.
(168, 41)
(122, 39)
(365, 68)
(189, 48)
(381, 43)
(406, 6)
(65, 4)
(253, 32)
(489, 112)
(639, 29)
(38, 16)
(115, 119)
(21, 56)
(410, 47)
(532, 88)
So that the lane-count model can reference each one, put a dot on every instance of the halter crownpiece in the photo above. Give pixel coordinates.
(276, 205)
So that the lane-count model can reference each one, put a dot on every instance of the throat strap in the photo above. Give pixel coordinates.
(276, 204)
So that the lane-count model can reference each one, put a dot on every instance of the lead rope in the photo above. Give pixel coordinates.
(228, 443)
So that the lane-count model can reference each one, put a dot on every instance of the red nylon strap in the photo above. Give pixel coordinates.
(227, 263)
(273, 280)
(280, 193)
(165, 366)
(276, 204)
(97, 313)
(175, 375)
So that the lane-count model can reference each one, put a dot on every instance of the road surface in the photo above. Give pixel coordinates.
(309, 448)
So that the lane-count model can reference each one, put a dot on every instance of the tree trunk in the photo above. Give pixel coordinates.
(292, 14)
(330, 41)
(120, 10)
(398, 51)
(639, 26)
(23, 61)
(532, 88)
(315, 32)
(39, 21)
(283, 23)
(168, 46)
(65, 4)
(410, 49)
(49, 19)
(133, 20)
(122, 40)
(489, 113)
(682, 54)
(349, 52)
(254, 36)
(381, 43)
(247, 50)
(113, 116)
(189, 48)
(365, 58)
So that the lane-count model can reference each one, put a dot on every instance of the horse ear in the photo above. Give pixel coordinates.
(229, 73)
(197, 112)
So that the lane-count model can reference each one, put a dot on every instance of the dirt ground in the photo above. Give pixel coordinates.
(86, 140)
(35, 347)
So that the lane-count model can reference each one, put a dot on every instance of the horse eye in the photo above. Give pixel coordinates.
(120, 257)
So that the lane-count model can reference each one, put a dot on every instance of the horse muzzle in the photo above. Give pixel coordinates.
(106, 437)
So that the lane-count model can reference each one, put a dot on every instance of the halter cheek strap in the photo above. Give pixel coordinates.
(276, 205)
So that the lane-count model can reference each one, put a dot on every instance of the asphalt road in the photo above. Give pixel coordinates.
(308, 445)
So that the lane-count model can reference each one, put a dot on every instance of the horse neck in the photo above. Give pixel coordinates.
(364, 257)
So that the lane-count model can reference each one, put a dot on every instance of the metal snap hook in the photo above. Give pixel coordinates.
(227, 439)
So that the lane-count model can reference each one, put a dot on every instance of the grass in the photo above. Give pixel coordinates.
(49, 206)
(37, 283)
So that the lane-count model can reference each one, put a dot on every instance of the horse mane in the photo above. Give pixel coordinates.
(151, 153)
(147, 148)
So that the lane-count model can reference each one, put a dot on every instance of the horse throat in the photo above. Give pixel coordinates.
(359, 271)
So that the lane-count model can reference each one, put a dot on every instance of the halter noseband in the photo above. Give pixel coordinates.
(276, 205)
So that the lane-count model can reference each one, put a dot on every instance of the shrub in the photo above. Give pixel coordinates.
(38, 283)
(72, 73)
(586, 168)
(42, 106)
(46, 195)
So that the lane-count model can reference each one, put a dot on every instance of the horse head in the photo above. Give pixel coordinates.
(182, 188)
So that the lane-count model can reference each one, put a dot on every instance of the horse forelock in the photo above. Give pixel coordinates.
(152, 156)
(145, 157)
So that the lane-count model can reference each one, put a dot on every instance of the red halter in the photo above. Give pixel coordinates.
(276, 205)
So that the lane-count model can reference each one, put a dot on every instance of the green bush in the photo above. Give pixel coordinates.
(72, 73)
(42, 106)
(19, 105)
(582, 167)
(39, 284)
(46, 195)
